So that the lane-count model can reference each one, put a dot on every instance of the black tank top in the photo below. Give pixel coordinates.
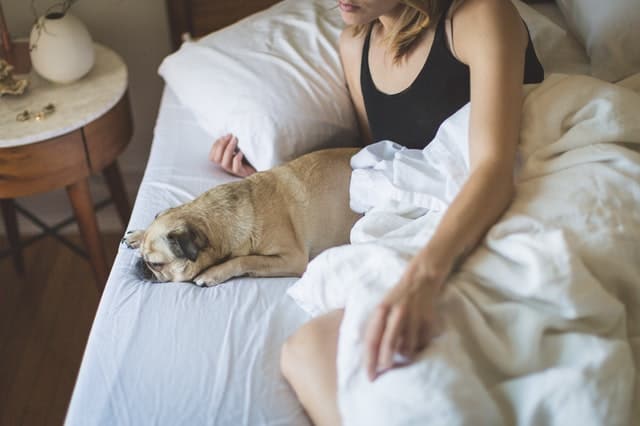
(412, 117)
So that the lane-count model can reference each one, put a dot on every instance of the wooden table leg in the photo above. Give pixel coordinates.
(82, 204)
(118, 192)
(13, 235)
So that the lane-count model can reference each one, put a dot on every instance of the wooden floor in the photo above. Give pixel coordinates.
(45, 318)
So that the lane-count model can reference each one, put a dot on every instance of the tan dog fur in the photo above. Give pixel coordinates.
(269, 224)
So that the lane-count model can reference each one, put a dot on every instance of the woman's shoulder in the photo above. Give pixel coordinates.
(486, 22)
(484, 8)
(483, 14)
(350, 45)
(351, 42)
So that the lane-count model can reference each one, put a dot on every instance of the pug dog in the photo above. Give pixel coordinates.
(269, 224)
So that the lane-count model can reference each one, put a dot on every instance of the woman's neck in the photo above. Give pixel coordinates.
(388, 20)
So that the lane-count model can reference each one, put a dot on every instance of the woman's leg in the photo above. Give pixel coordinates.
(308, 362)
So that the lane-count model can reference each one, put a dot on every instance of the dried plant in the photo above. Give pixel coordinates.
(56, 10)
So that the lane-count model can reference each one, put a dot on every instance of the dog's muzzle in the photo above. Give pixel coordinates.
(144, 273)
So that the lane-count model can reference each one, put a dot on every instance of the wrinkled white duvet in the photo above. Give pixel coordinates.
(542, 322)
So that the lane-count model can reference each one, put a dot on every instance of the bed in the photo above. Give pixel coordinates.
(175, 353)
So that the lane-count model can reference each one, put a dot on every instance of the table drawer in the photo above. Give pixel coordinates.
(43, 166)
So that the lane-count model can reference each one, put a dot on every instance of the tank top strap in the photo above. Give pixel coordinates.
(439, 42)
(440, 36)
(364, 66)
(440, 33)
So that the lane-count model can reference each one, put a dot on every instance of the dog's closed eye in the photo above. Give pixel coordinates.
(155, 265)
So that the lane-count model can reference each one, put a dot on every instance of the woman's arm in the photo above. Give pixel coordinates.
(490, 38)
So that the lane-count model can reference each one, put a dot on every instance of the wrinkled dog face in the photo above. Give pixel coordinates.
(170, 249)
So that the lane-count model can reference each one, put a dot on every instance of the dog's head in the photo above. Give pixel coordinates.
(171, 248)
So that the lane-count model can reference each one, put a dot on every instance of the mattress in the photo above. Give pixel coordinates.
(174, 354)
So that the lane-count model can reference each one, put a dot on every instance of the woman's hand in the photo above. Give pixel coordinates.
(406, 319)
(225, 153)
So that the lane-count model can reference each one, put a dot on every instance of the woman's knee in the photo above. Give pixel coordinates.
(296, 351)
(310, 341)
(289, 355)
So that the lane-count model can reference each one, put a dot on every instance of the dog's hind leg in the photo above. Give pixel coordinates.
(256, 266)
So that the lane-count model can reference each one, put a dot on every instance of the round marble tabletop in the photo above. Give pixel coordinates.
(76, 104)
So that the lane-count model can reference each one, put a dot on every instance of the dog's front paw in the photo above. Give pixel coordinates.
(202, 281)
(132, 239)
(211, 277)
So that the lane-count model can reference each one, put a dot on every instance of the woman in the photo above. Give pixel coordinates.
(409, 65)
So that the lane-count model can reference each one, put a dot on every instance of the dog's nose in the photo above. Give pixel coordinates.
(144, 273)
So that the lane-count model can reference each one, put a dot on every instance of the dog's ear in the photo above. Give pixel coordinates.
(163, 212)
(186, 242)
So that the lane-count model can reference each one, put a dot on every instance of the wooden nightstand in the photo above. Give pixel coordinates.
(90, 127)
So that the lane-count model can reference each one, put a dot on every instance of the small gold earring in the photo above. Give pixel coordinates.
(27, 115)
(23, 116)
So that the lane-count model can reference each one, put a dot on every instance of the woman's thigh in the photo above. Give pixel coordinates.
(308, 362)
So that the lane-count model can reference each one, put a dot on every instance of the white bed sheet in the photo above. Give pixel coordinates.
(177, 354)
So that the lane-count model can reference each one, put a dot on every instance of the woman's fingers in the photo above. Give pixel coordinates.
(225, 153)
(214, 150)
(409, 340)
(249, 169)
(393, 330)
(373, 337)
(392, 333)
(403, 324)
(237, 166)
(421, 338)
(218, 148)
(229, 153)
(241, 167)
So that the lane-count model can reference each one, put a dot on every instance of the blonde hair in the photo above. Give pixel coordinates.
(415, 17)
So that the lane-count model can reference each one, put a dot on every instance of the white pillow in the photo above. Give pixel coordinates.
(610, 32)
(274, 79)
(556, 48)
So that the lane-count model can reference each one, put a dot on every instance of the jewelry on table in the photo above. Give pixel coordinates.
(10, 85)
(27, 115)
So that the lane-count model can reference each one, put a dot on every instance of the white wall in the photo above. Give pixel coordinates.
(139, 31)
